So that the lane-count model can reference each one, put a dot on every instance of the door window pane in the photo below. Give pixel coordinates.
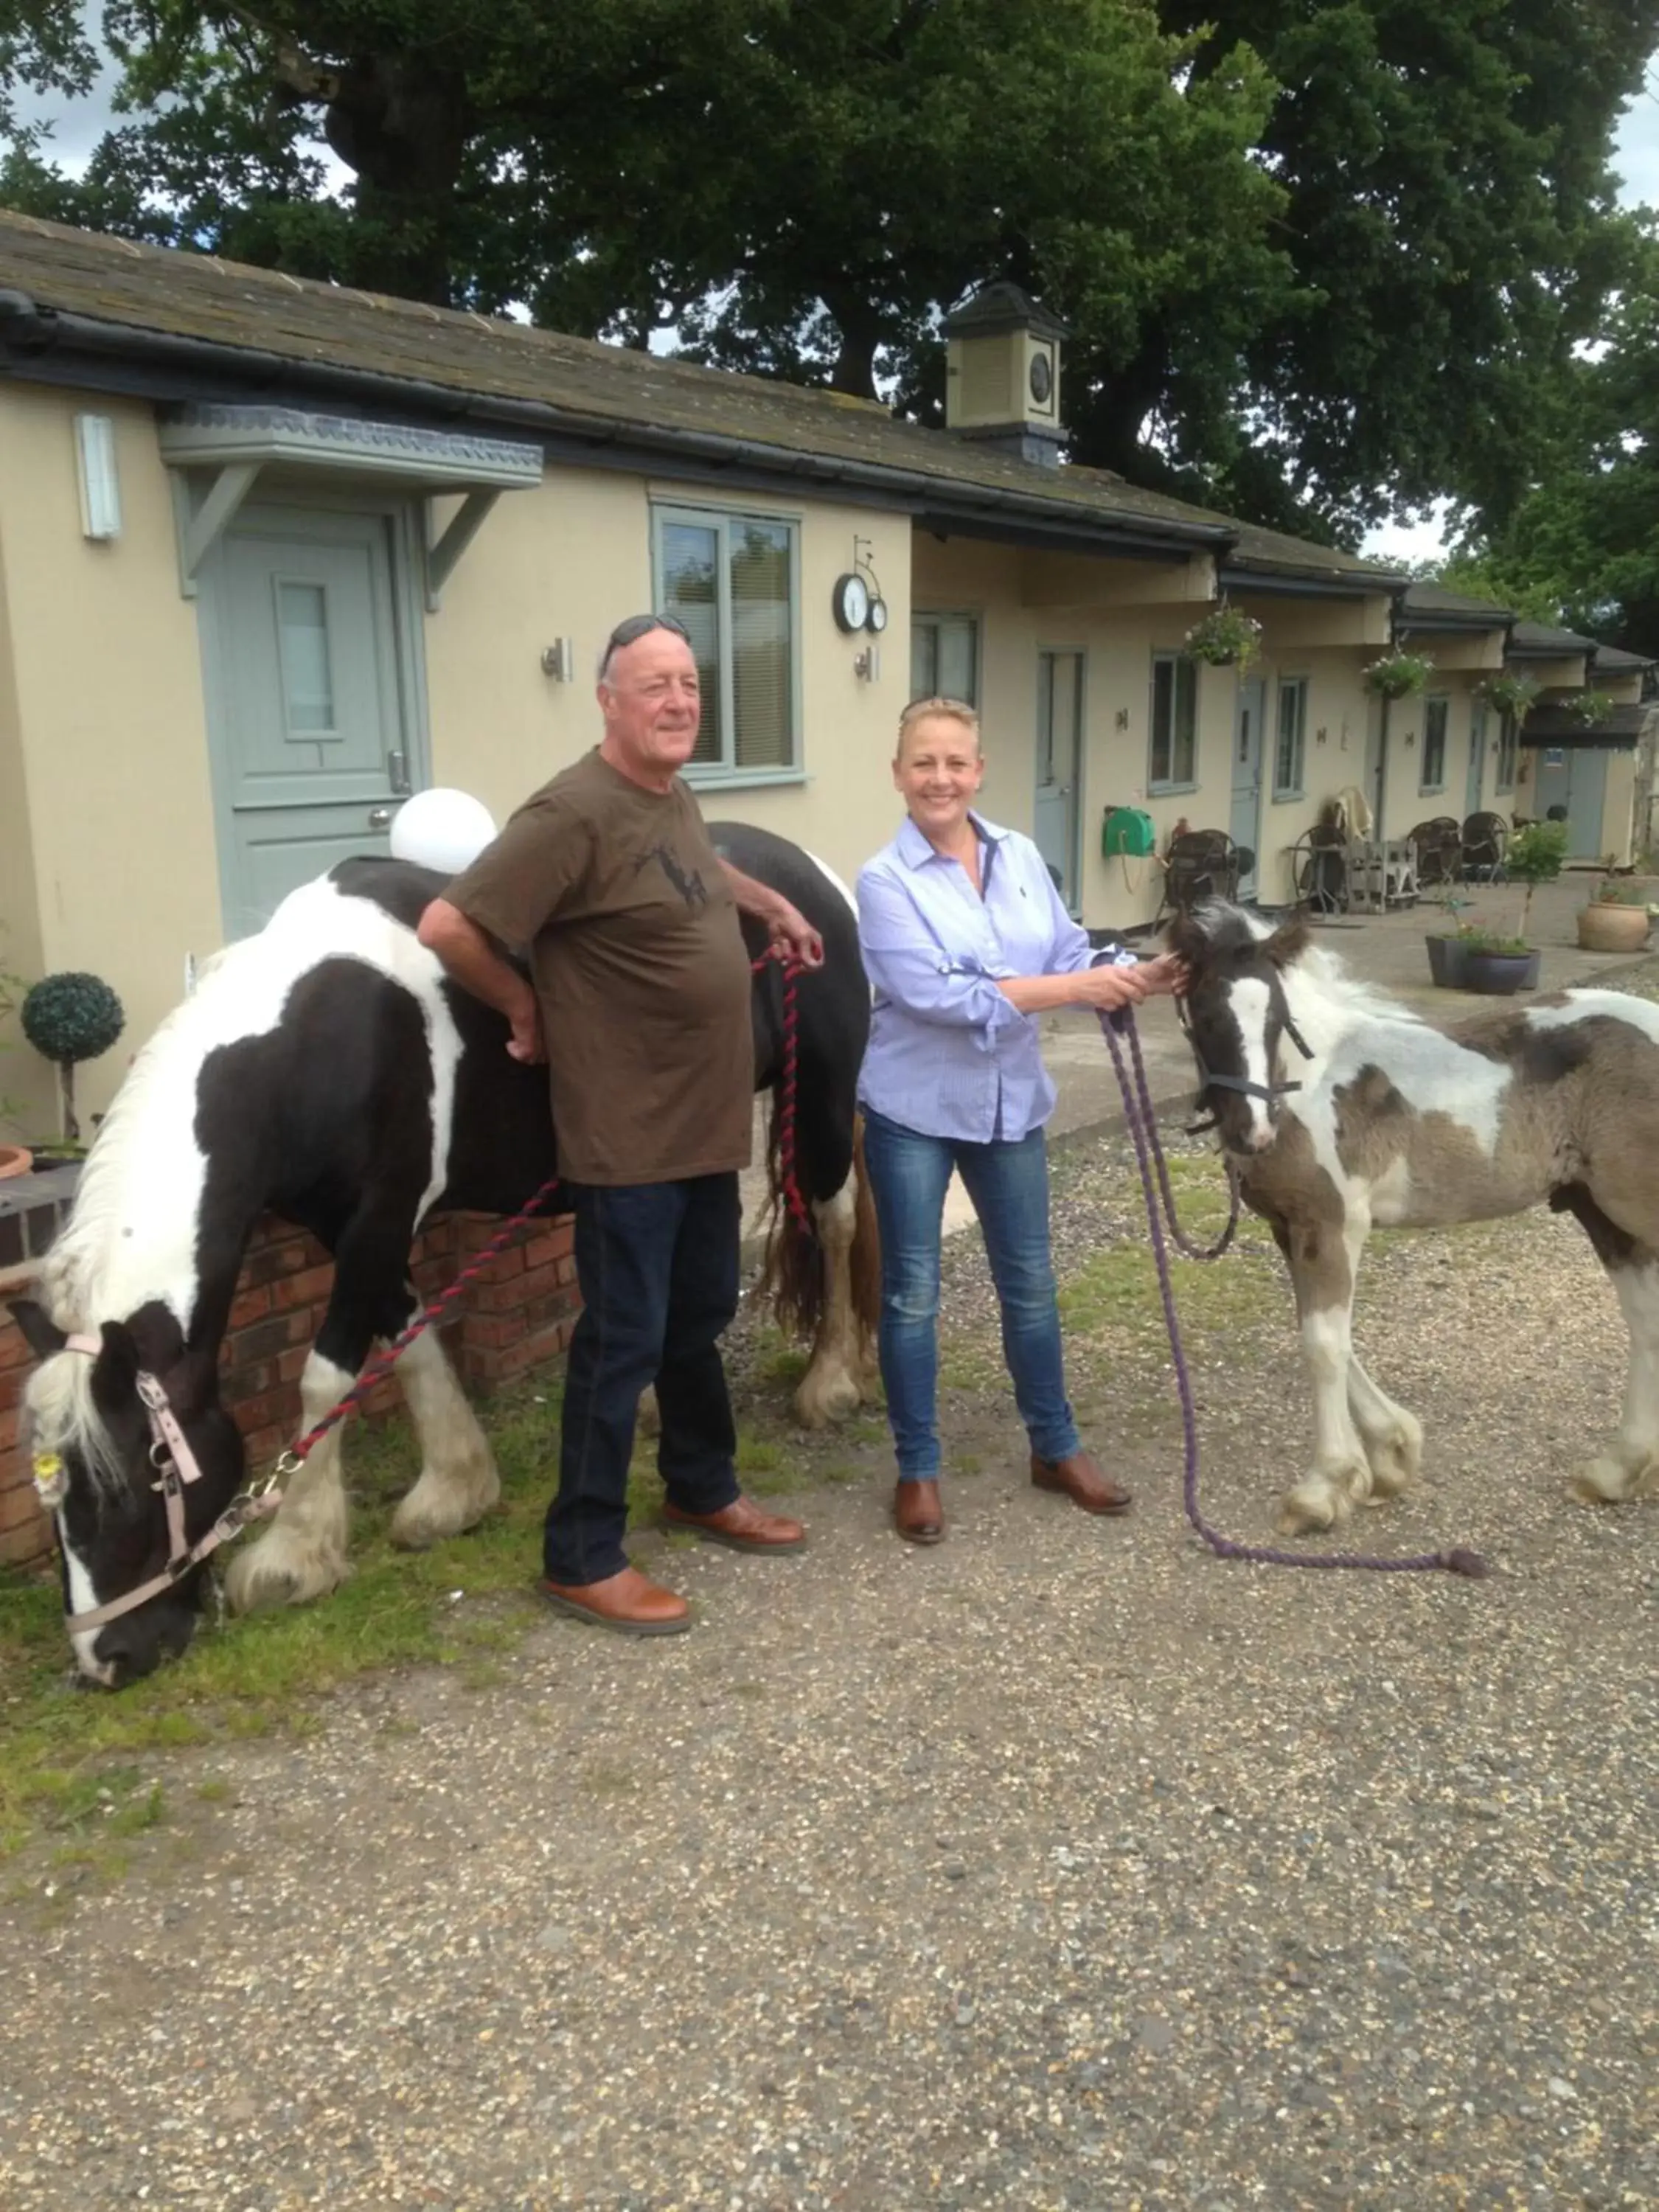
(1291, 741)
(307, 680)
(1435, 713)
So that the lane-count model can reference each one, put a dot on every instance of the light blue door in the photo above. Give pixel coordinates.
(1059, 767)
(306, 715)
(1575, 777)
(1245, 820)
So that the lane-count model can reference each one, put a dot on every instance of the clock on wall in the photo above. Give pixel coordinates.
(876, 620)
(850, 601)
(1041, 379)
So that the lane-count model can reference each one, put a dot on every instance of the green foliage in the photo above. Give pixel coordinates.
(1534, 855)
(1317, 262)
(71, 1017)
(1491, 940)
(1619, 890)
(1589, 706)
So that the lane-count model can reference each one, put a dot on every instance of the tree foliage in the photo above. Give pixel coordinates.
(1319, 261)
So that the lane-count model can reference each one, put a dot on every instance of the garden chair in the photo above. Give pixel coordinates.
(1485, 837)
(1319, 868)
(1439, 844)
(1199, 865)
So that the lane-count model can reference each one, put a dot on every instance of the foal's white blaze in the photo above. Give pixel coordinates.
(83, 1598)
(1250, 1002)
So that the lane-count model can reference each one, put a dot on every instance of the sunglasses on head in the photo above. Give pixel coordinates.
(636, 626)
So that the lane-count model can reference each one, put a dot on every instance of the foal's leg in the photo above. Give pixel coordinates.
(1324, 1258)
(1629, 1468)
(1393, 1438)
(458, 1483)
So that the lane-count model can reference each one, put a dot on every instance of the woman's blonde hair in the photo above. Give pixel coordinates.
(918, 710)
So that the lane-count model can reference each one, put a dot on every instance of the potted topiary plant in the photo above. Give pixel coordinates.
(1616, 920)
(69, 1018)
(1499, 965)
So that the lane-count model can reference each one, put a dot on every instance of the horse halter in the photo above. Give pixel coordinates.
(1241, 1083)
(175, 1464)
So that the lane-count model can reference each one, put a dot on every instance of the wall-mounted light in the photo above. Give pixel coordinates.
(95, 467)
(559, 659)
(866, 665)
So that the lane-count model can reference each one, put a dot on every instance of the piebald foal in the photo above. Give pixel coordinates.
(1341, 1110)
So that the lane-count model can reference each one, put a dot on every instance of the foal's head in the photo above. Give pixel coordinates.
(1237, 1017)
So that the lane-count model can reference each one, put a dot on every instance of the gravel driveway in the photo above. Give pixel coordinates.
(1060, 1866)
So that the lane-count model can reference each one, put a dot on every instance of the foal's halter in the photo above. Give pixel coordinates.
(1210, 1081)
(175, 1465)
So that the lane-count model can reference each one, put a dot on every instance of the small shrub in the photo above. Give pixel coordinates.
(69, 1018)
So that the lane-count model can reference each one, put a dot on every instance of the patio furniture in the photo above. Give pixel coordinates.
(1381, 873)
(1319, 869)
(1199, 865)
(1439, 844)
(1485, 837)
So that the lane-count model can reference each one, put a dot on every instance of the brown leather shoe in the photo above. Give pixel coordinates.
(917, 1513)
(629, 1603)
(1082, 1481)
(743, 1525)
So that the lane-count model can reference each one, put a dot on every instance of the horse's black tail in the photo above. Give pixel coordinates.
(793, 1278)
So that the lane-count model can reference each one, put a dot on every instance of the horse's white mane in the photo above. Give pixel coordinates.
(1315, 975)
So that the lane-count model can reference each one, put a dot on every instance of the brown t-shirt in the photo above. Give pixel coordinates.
(639, 970)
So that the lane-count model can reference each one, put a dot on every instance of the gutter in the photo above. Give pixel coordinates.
(37, 340)
(1278, 583)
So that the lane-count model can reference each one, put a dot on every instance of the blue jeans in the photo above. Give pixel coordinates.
(1008, 1184)
(657, 1264)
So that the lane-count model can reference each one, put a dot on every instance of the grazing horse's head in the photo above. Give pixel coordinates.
(97, 1466)
(1237, 1017)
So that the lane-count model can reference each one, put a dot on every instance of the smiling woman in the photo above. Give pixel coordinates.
(966, 939)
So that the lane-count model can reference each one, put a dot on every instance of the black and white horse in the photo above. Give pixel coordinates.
(327, 1071)
(1340, 1110)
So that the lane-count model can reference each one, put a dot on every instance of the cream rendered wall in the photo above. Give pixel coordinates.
(109, 762)
(572, 560)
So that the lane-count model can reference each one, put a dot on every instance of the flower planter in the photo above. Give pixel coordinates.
(1607, 928)
(1497, 975)
(1447, 962)
(14, 1161)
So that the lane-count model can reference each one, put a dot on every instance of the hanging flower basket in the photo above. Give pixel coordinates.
(1225, 639)
(1399, 675)
(1507, 694)
(1589, 706)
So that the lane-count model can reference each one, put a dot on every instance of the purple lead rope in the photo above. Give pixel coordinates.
(1137, 1112)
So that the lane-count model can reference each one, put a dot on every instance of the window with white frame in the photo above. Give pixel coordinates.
(1173, 765)
(730, 580)
(944, 658)
(1508, 746)
(1291, 739)
(1437, 713)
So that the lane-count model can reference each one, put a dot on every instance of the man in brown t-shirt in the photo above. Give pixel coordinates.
(638, 1000)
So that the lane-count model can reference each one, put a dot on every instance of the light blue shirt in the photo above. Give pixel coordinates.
(949, 1054)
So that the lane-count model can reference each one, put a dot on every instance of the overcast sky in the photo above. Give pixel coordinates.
(77, 125)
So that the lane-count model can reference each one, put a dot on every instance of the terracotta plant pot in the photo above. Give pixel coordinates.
(14, 1161)
(1609, 928)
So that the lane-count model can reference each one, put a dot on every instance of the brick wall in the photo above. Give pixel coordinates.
(518, 1314)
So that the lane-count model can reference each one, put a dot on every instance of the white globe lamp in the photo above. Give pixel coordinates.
(445, 831)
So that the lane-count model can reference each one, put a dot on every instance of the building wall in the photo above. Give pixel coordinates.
(104, 772)
(572, 560)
